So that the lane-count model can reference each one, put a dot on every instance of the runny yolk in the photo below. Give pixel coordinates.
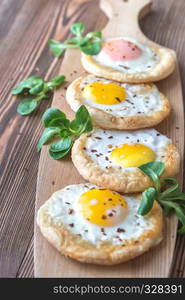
(104, 93)
(103, 207)
(121, 50)
(132, 155)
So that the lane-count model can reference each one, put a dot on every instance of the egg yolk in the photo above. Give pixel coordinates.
(103, 207)
(132, 155)
(120, 50)
(104, 93)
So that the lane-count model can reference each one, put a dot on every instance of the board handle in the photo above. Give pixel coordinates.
(124, 16)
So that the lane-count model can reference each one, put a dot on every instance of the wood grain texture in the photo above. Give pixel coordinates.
(25, 26)
(157, 262)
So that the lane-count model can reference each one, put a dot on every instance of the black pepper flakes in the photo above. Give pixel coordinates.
(118, 99)
(110, 214)
(71, 211)
(71, 225)
(103, 231)
(120, 230)
(125, 67)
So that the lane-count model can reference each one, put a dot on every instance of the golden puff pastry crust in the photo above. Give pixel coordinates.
(108, 120)
(103, 253)
(161, 70)
(120, 180)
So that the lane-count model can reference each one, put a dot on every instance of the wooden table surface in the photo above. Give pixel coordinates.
(25, 27)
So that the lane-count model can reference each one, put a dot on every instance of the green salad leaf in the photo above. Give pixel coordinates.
(35, 89)
(89, 44)
(166, 192)
(65, 131)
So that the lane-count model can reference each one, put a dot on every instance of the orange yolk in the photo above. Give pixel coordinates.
(103, 207)
(132, 155)
(120, 50)
(104, 93)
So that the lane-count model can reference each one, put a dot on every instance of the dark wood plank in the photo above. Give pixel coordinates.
(25, 27)
(26, 266)
(19, 135)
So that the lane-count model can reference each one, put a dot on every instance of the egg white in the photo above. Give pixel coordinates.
(143, 63)
(101, 142)
(59, 206)
(136, 102)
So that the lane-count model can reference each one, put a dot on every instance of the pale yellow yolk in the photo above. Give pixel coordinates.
(132, 155)
(103, 207)
(104, 93)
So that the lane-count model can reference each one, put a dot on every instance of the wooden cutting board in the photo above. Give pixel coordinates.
(53, 175)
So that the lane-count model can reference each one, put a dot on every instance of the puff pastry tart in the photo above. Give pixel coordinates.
(98, 226)
(111, 158)
(127, 60)
(114, 105)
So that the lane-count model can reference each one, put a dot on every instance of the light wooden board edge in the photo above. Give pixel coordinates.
(157, 262)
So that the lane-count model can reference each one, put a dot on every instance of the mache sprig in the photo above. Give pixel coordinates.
(64, 131)
(89, 44)
(165, 191)
(33, 90)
